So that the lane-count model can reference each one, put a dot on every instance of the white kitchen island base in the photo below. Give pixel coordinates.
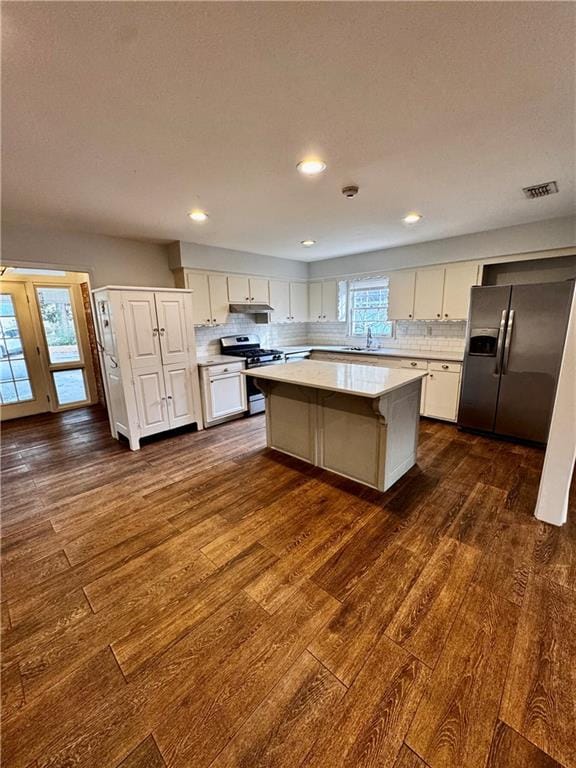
(370, 438)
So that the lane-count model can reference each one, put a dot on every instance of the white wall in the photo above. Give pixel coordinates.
(109, 260)
(196, 256)
(525, 238)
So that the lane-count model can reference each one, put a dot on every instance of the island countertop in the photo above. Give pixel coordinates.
(350, 378)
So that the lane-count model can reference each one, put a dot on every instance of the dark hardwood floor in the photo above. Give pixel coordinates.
(204, 602)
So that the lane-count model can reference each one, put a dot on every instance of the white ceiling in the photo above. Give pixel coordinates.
(120, 117)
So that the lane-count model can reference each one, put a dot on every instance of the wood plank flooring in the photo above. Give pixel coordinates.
(205, 603)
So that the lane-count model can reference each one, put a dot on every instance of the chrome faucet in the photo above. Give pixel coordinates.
(369, 338)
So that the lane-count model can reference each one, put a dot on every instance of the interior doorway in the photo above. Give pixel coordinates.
(47, 362)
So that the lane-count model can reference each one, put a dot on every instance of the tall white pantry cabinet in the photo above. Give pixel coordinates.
(148, 355)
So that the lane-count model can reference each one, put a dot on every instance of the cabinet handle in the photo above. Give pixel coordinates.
(438, 315)
(162, 331)
(414, 364)
(287, 317)
(324, 316)
(154, 331)
(207, 319)
(445, 367)
(445, 314)
(213, 319)
(409, 314)
(252, 298)
(431, 375)
(247, 298)
(169, 397)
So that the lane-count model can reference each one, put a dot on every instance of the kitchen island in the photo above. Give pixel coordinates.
(358, 421)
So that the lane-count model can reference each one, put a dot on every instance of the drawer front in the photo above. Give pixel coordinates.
(219, 370)
(445, 366)
(419, 365)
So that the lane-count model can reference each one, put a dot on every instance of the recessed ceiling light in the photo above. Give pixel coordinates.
(311, 167)
(412, 218)
(307, 243)
(198, 215)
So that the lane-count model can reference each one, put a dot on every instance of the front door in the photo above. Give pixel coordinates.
(23, 390)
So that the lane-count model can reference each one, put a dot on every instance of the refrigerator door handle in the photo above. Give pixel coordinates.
(501, 335)
(507, 343)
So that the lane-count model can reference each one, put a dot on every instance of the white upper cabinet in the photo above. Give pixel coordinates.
(401, 295)
(299, 302)
(142, 328)
(248, 289)
(259, 290)
(219, 302)
(330, 301)
(201, 311)
(238, 289)
(315, 299)
(280, 301)
(171, 312)
(458, 281)
(323, 301)
(428, 295)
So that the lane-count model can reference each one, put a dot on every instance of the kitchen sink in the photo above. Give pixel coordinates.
(360, 349)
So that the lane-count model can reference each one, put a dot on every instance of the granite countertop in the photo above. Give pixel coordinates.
(412, 354)
(351, 378)
(218, 360)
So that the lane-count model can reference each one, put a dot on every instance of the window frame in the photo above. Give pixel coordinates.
(379, 282)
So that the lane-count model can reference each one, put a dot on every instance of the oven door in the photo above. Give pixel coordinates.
(256, 400)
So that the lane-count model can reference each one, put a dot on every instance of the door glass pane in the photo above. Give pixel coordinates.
(15, 384)
(58, 319)
(70, 386)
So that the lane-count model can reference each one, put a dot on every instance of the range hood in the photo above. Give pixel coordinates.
(250, 308)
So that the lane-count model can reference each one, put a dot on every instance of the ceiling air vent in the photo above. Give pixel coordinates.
(541, 190)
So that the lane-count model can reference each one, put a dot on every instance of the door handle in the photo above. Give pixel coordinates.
(507, 343)
(501, 334)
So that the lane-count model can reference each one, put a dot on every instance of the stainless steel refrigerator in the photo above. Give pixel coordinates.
(513, 354)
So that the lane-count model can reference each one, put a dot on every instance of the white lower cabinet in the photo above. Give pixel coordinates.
(179, 398)
(223, 392)
(442, 390)
(419, 365)
(151, 400)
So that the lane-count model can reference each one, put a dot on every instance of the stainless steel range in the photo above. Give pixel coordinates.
(248, 347)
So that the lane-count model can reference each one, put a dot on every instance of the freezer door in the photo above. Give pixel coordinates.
(532, 357)
(482, 359)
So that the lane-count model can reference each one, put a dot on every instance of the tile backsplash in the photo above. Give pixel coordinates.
(449, 336)
(270, 335)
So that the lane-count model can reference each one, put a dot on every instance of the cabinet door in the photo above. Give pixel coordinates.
(401, 295)
(458, 281)
(442, 394)
(330, 301)
(259, 290)
(151, 400)
(280, 300)
(142, 328)
(429, 294)
(179, 395)
(171, 310)
(299, 302)
(226, 396)
(315, 298)
(219, 302)
(201, 313)
(238, 289)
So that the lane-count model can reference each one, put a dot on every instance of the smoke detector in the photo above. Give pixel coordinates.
(541, 190)
(350, 191)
